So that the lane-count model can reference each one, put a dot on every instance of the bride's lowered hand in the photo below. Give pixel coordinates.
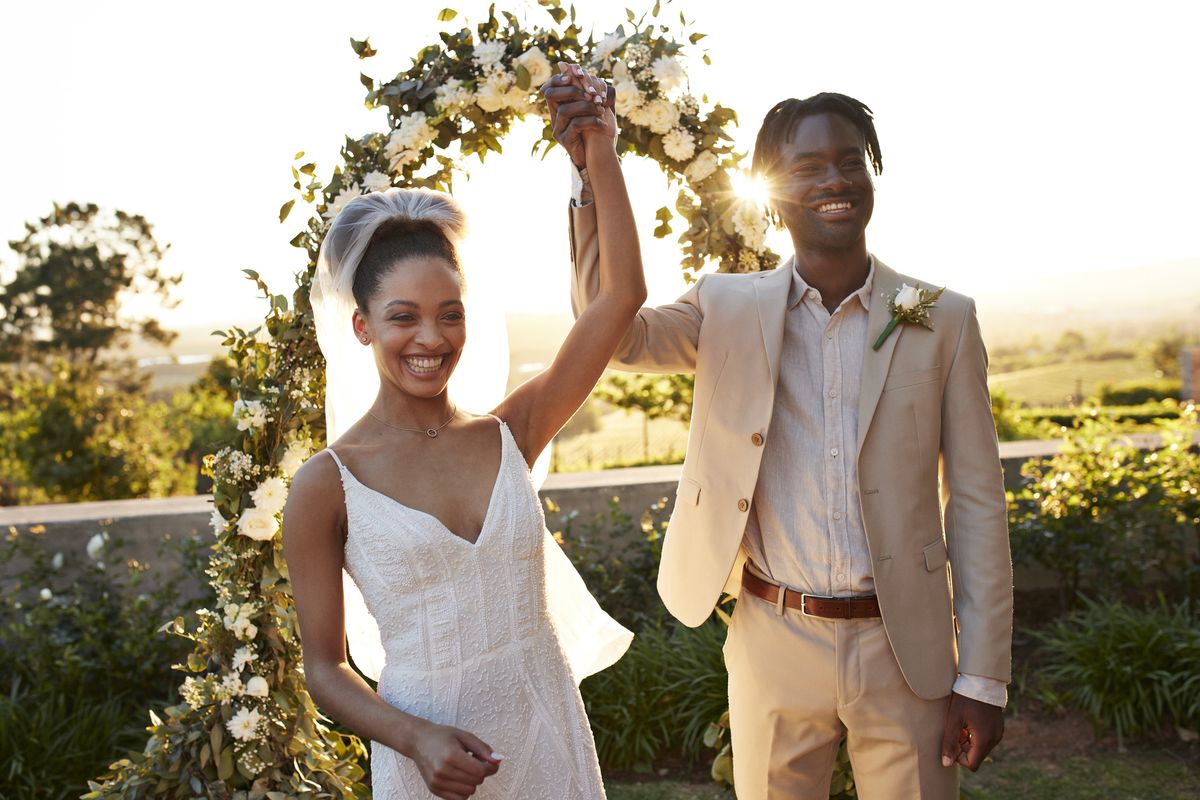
(452, 762)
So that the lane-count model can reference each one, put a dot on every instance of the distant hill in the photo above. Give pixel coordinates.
(1123, 303)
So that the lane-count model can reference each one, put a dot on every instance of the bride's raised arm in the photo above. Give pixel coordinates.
(536, 410)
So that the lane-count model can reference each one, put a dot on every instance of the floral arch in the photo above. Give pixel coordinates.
(245, 727)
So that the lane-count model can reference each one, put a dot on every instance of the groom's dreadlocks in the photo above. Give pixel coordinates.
(782, 120)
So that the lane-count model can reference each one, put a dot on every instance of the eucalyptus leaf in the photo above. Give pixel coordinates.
(446, 14)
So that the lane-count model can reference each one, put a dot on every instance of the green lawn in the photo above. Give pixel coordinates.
(619, 441)
(1051, 385)
(1100, 775)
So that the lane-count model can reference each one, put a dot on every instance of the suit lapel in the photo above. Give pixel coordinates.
(876, 362)
(771, 294)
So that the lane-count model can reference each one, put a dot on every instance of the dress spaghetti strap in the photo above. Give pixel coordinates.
(341, 466)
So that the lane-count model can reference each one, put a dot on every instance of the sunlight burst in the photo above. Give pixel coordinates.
(749, 186)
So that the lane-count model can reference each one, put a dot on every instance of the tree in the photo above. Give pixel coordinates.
(75, 266)
(656, 396)
(69, 433)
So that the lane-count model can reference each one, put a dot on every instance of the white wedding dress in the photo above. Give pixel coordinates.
(468, 640)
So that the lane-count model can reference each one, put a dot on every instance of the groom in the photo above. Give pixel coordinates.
(851, 495)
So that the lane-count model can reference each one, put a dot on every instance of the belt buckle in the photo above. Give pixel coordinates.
(804, 604)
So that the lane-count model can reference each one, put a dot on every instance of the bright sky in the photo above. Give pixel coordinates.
(1020, 139)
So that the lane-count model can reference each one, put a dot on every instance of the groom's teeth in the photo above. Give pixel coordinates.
(424, 364)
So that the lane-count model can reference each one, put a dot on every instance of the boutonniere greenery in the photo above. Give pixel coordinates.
(909, 305)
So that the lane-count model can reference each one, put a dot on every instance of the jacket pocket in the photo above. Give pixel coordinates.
(935, 555)
(688, 492)
(901, 380)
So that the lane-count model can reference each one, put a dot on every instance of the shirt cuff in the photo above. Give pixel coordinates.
(985, 690)
(577, 188)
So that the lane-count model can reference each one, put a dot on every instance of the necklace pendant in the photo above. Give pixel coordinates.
(431, 433)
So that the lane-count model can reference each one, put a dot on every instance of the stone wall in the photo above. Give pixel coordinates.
(142, 525)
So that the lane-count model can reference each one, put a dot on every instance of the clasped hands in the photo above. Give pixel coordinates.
(581, 107)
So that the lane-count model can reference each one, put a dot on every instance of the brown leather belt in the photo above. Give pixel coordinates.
(808, 604)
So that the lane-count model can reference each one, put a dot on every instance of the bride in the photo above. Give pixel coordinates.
(432, 512)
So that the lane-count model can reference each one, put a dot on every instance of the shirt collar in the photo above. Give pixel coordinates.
(800, 286)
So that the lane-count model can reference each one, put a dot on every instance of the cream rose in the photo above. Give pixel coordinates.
(909, 297)
(257, 687)
(629, 98)
(661, 115)
(258, 524)
(537, 65)
(704, 165)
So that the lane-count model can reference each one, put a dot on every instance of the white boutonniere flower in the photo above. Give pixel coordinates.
(909, 305)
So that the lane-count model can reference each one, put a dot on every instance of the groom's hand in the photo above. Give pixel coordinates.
(575, 114)
(972, 729)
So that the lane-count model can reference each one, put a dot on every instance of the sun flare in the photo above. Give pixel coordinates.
(750, 187)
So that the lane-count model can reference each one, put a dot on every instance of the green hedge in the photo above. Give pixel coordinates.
(1136, 393)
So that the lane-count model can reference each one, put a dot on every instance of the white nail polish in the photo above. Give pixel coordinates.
(497, 756)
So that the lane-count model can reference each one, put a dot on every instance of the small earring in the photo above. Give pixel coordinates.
(364, 340)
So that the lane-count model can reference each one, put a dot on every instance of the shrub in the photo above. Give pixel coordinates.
(1103, 513)
(1047, 420)
(1127, 668)
(1135, 393)
(657, 701)
(81, 658)
(622, 577)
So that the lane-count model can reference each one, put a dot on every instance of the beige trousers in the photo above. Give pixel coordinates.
(798, 685)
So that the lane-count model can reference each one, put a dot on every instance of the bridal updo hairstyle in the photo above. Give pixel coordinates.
(380, 229)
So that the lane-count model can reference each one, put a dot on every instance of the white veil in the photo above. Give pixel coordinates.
(591, 639)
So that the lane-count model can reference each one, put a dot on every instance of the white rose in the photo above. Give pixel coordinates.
(375, 181)
(668, 72)
(46, 595)
(909, 297)
(661, 115)
(270, 495)
(679, 144)
(491, 96)
(629, 98)
(620, 72)
(258, 524)
(704, 165)
(257, 687)
(538, 66)
(96, 545)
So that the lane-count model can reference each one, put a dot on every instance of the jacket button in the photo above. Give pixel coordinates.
(757, 439)
(743, 504)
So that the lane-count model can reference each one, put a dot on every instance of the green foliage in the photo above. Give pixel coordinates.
(81, 656)
(1048, 421)
(1103, 514)
(205, 411)
(290, 751)
(1164, 352)
(656, 396)
(73, 268)
(74, 432)
(1135, 393)
(621, 578)
(1013, 423)
(1127, 668)
(657, 701)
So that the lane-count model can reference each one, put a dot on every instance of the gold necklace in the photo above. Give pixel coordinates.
(432, 433)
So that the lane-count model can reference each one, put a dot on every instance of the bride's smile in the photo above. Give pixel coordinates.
(416, 324)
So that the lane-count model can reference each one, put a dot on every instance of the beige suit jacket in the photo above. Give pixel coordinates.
(939, 548)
